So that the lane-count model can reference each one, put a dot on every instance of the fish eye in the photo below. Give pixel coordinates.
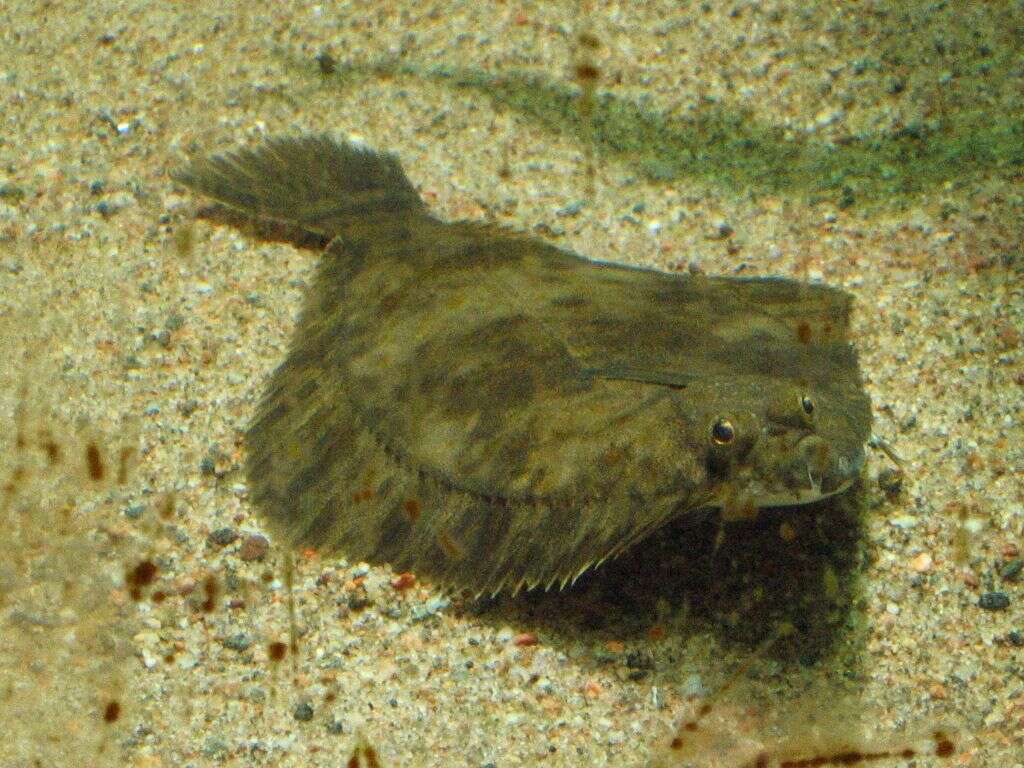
(722, 431)
(807, 404)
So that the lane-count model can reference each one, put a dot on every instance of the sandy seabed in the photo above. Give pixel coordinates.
(125, 322)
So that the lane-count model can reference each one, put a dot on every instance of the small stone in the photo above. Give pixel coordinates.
(215, 746)
(162, 337)
(572, 209)
(890, 480)
(222, 537)
(134, 512)
(12, 193)
(433, 606)
(638, 659)
(1012, 570)
(335, 727)
(358, 600)
(403, 581)
(1016, 637)
(303, 712)
(254, 547)
(238, 642)
(896, 85)
(922, 563)
(994, 601)
(524, 639)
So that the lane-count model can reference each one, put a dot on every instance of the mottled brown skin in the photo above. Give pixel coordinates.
(494, 412)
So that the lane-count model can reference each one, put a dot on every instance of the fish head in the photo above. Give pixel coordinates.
(780, 443)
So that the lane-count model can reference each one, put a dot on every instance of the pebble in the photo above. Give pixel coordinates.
(922, 563)
(134, 512)
(254, 547)
(222, 537)
(238, 642)
(994, 601)
(1011, 571)
(432, 606)
(303, 712)
(890, 480)
(572, 209)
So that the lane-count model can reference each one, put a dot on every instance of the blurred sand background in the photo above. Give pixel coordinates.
(875, 146)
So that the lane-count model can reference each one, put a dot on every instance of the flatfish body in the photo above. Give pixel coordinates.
(494, 412)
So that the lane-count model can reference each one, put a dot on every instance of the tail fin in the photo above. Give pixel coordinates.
(312, 182)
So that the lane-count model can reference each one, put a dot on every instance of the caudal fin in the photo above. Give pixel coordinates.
(311, 182)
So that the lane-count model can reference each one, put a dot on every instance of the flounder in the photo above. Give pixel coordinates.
(494, 412)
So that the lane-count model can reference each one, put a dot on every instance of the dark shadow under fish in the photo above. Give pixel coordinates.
(494, 412)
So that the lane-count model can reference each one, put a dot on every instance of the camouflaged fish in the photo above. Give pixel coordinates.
(493, 412)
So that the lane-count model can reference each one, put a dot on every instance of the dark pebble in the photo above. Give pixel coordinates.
(994, 601)
(223, 536)
(890, 480)
(239, 642)
(255, 547)
(1016, 637)
(357, 601)
(162, 337)
(639, 660)
(336, 727)
(1011, 571)
(207, 466)
(303, 712)
(12, 193)
(895, 85)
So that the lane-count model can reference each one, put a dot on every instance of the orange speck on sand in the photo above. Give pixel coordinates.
(922, 563)
(309, 553)
(524, 639)
(937, 691)
(592, 689)
(615, 646)
(403, 581)
(656, 633)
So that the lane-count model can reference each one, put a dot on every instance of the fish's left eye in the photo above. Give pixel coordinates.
(722, 431)
(807, 404)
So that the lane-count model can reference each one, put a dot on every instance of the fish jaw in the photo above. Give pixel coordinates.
(788, 471)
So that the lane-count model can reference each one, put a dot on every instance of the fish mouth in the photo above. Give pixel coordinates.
(790, 497)
(813, 473)
(807, 472)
